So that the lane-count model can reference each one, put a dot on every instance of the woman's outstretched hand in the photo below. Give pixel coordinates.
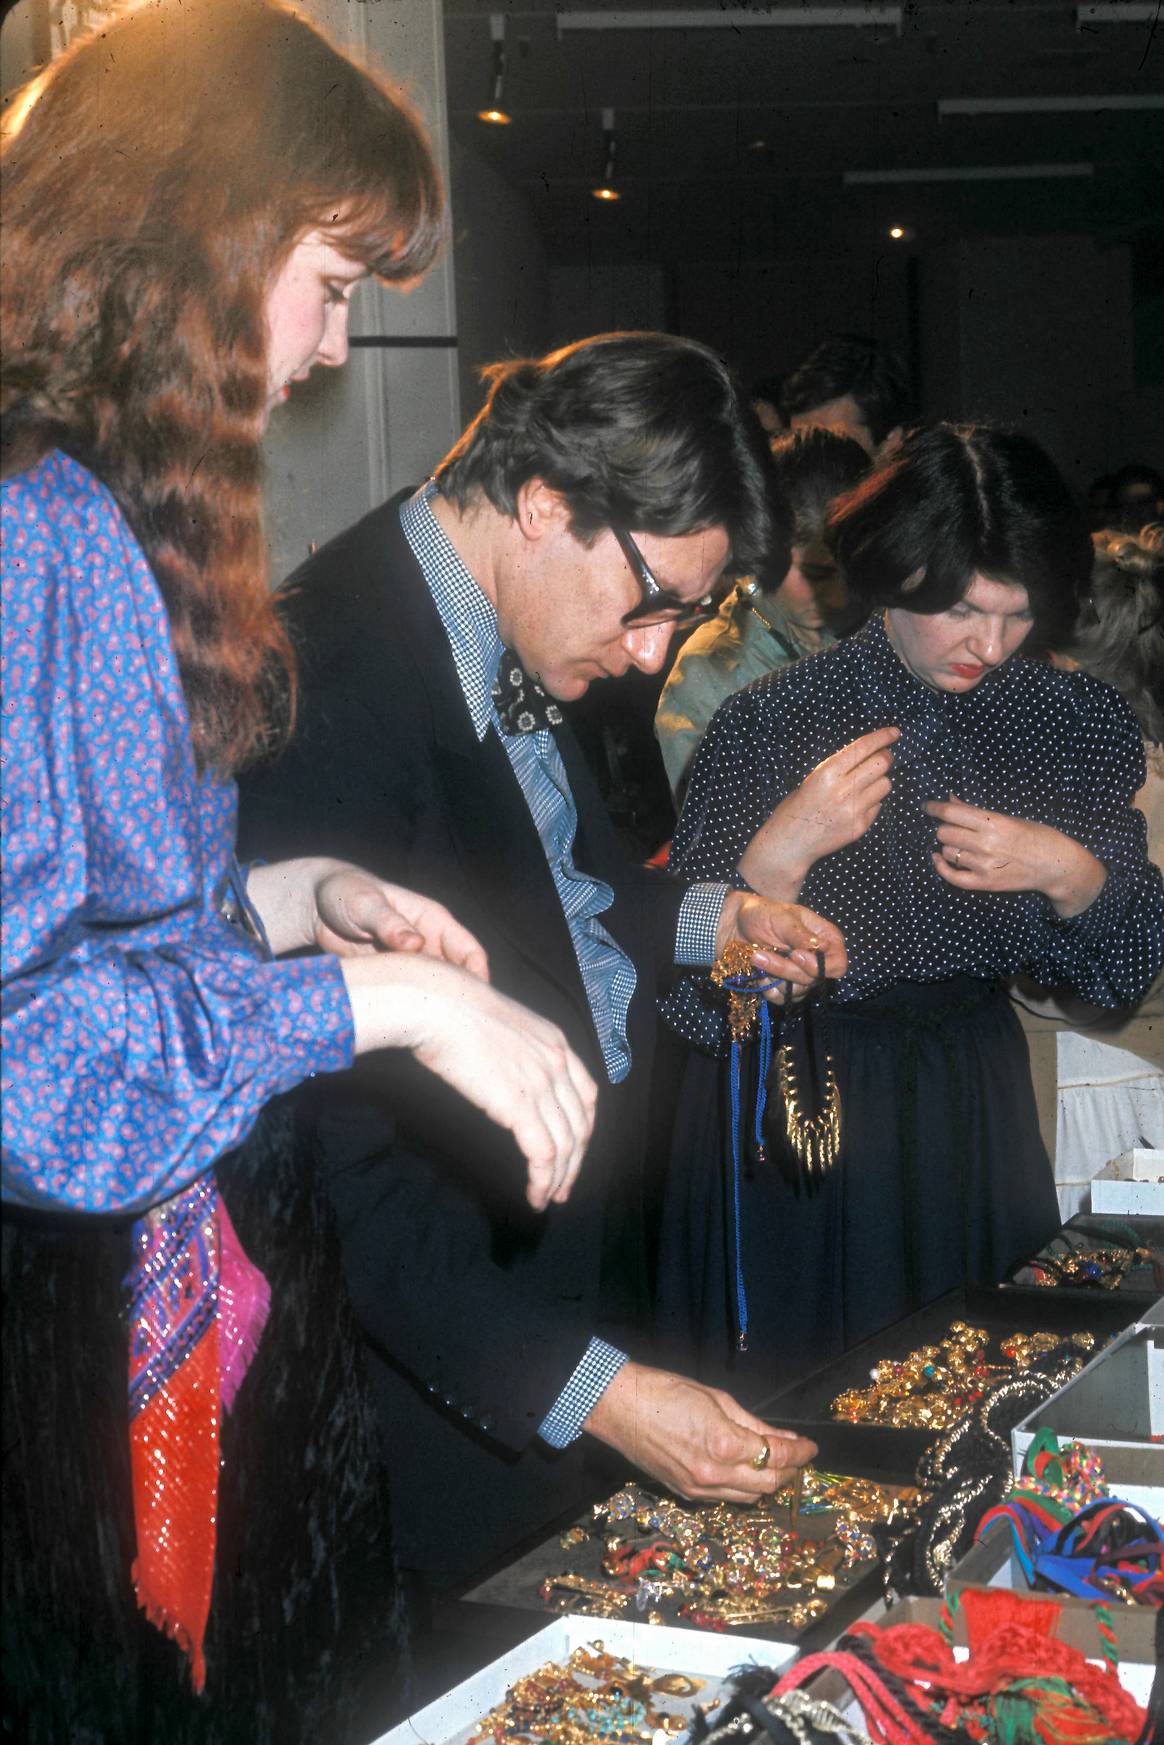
(833, 806)
(988, 851)
(515, 1067)
(341, 908)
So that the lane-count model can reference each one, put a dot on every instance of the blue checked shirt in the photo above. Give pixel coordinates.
(608, 975)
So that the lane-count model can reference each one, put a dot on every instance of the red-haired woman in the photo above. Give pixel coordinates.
(190, 197)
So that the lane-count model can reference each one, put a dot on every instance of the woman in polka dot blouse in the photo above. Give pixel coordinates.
(190, 197)
(963, 812)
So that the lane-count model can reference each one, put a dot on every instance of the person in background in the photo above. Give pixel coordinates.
(851, 384)
(191, 195)
(1099, 1074)
(767, 620)
(765, 399)
(600, 500)
(1137, 498)
(965, 814)
(1099, 502)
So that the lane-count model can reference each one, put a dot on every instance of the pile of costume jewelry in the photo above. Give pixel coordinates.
(595, 1696)
(1019, 1685)
(727, 1564)
(937, 1384)
(1068, 1533)
(1065, 1263)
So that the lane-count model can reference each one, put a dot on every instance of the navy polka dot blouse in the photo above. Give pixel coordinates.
(1055, 747)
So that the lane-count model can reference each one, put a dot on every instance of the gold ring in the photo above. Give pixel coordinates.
(957, 857)
(761, 1460)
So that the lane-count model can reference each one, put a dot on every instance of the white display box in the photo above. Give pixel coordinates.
(1129, 1185)
(1115, 1405)
(703, 1653)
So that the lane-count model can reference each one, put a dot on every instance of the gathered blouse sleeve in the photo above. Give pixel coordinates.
(142, 1032)
(1114, 950)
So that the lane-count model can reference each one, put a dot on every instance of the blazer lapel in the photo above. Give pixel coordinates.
(485, 807)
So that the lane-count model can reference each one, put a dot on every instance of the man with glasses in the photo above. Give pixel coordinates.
(605, 496)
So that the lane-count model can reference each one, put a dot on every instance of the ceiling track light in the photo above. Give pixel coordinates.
(494, 112)
(738, 18)
(971, 173)
(606, 190)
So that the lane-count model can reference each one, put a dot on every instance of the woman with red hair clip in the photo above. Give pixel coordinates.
(191, 195)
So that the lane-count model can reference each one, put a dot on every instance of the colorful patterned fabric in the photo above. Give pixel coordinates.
(142, 1033)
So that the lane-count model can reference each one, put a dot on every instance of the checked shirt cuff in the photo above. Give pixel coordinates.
(563, 1422)
(699, 915)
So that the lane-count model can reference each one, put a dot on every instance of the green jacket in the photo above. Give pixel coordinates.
(750, 637)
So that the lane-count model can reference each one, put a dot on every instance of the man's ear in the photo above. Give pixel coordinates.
(541, 510)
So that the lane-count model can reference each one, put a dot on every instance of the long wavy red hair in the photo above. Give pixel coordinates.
(153, 182)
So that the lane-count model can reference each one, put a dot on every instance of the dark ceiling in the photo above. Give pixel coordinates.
(733, 142)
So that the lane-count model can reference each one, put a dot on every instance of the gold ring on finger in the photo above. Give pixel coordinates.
(760, 1461)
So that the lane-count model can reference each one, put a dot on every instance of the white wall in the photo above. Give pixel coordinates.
(500, 268)
(349, 438)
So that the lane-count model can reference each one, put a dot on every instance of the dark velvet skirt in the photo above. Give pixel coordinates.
(942, 1178)
(305, 1640)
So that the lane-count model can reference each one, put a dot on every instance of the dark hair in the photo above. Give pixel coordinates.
(1120, 633)
(814, 466)
(643, 431)
(1131, 515)
(155, 180)
(850, 364)
(959, 500)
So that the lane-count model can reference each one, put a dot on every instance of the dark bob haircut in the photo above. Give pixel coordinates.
(957, 501)
(643, 431)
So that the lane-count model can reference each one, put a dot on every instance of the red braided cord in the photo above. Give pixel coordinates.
(914, 1651)
(887, 1721)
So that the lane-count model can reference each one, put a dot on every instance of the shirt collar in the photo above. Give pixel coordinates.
(468, 617)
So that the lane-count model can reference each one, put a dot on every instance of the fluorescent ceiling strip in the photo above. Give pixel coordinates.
(1117, 12)
(973, 173)
(1042, 105)
(789, 17)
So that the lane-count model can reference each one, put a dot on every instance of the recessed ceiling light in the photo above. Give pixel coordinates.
(897, 232)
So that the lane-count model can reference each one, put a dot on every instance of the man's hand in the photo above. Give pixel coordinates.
(988, 851)
(786, 936)
(695, 1440)
(833, 806)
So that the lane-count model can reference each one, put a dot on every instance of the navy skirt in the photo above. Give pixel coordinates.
(942, 1179)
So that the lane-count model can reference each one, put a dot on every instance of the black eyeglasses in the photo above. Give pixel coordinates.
(659, 605)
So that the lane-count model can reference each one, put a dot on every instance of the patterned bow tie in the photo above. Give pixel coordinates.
(522, 705)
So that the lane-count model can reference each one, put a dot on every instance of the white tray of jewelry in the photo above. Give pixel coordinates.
(701, 1654)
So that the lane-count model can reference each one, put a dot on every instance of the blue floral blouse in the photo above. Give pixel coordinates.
(1055, 747)
(142, 1032)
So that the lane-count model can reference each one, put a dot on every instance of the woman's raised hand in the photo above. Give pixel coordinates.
(833, 806)
(989, 851)
(515, 1067)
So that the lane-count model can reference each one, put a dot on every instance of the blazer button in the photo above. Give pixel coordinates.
(468, 1411)
(431, 1386)
(487, 1423)
(450, 1402)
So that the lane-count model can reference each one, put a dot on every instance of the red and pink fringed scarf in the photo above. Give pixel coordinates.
(197, 1308)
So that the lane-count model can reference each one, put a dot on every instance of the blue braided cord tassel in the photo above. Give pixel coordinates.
(741, 1292)
(762, 1066)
